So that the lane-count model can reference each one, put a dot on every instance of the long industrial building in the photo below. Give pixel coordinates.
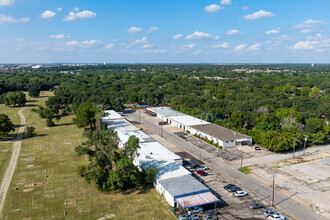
(173, 181)
(222, 136)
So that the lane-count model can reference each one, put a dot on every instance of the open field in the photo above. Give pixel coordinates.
(307, 179)
(5, 154)
(46, 183)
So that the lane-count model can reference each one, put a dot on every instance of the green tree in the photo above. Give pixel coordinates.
(313, 125)
(6, 125)
(30, 131)
(86, 115)
(15, 99)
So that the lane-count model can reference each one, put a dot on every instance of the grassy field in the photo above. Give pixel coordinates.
(5, 154)
(48, 184)
(13, 115)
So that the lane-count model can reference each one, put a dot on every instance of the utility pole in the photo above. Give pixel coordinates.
(305, 145)
(139, 116)
(273, 191)
(294, 147)
(242, 160)
(161, 130)
(257, 195)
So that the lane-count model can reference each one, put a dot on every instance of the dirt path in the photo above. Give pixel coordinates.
(6, 180)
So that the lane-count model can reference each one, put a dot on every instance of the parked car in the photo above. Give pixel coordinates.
(203, 167)
(255, 205)
(194, 218)
(270, 212)
(240, 193)
(276, 217)
(211, 212)
(194, 165)
(210, 217)
(234, 189)
(186, 216)
(228, 186)
(257, 148)
(194, 210)
(201, 172)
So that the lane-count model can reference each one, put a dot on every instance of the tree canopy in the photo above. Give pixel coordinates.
(6, 126)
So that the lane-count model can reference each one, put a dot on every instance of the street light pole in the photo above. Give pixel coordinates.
(273, 191)
(242, 160)
(305, 145)
(161, 130)
(294, 147)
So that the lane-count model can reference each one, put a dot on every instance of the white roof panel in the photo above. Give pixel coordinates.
(152, 151)
(188, 120)
(168, 169)
(165, 111)
(143, 137)
(111, 114)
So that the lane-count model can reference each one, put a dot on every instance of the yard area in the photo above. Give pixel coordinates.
(46, 183)
(5, 154)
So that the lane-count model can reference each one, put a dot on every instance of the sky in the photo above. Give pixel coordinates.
(164, 31)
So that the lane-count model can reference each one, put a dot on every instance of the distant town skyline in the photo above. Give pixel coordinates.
(146, 31)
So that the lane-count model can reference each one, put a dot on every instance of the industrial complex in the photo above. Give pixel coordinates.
(173, 181)
(219, 135)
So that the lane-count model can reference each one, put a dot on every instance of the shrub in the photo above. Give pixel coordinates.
(30, 131)
(82, 170)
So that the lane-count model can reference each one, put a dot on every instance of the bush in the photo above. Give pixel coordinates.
(50, 122)
(82, 170)
(30, 131)
(245, 170)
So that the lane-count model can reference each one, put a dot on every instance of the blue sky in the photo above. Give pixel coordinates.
(170, 31)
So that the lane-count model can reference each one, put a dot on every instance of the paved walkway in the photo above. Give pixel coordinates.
(6, 180)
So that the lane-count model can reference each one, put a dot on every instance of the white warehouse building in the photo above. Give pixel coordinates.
(173, 181)
(222, 136)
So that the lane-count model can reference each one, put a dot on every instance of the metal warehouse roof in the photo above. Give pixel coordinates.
(197, 200)
(111, 114)
(151, 151)
(167, 169)
(166, 111)
(188, 120)
(121, 125)
(182, 185)
(219, 132)
(143, 137)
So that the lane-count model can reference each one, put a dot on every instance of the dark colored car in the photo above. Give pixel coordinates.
(257, 148)
(194, 165)
(255, 205)
(234, 189)
(201, 172)
(228, 186)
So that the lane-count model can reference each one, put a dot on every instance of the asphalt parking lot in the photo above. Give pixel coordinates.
(230, 207)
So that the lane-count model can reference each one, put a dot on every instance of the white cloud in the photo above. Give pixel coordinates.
(233, 32)
(224, 45)
(142, 41)
(245, 8)
(91, 43)
(188, 46)
(134, 30)
(58, 36)
(197, 52)
(48, 14)
(79, 15)
(153, 29)
(6, 2)
(275, 31)
(305, 45)
(177, 36)
(147, 46)
(72, 43)
(109, 46)
(156, 51)
(75, 9)
(226, 2)
(59, 9)
(201, 35)
(254, 47)
(21, 39)
(259, 15)
(240, 47)
(212, 8)
(9, 19)
(306, 31)
(309, 24)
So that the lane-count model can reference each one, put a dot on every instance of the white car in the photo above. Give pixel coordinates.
(202, 168)
(240, 193)
(276, 217)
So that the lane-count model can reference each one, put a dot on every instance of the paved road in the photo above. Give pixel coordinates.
(6, 180)
(282, 202)
(278, 157)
